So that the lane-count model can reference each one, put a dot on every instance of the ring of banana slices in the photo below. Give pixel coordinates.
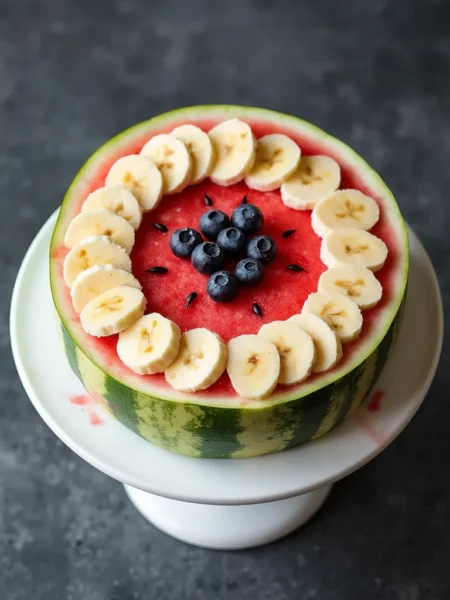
(109, 299)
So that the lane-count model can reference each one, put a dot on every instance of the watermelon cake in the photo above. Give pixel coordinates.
(229, 280)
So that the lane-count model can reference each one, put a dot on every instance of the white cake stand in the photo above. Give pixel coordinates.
(226, 504)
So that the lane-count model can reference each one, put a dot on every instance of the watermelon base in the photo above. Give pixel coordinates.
(217, 423)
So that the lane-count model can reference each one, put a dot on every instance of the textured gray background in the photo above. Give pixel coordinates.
(73, 73)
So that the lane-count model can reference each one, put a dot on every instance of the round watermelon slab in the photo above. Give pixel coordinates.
(216, 422)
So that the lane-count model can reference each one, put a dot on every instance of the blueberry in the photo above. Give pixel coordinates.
(262, 248)
(248, 218)
(183, 241)
(207, 258)
(212, 223)
(232, 241)
(249, 271)
(222, 286)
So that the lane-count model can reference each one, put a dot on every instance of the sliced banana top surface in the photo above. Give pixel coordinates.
(200, 362)
(199, 145)
(117, 199)
(172, 158)
(253, 366)
(316, 177)
(141, 176)
(113, 311)
(96, 250)
(344, 209)
(97, 223)
(353, 247)
(98, 279)
(338, 311)
(234, 146)
(150, 345)
(358, 283)
(277, 158)
(327, 343)
(295, 347)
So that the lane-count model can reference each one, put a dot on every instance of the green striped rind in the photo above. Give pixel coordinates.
(71, 352)
(215, 432)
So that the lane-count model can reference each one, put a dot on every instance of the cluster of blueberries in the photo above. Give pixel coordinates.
(228, 239)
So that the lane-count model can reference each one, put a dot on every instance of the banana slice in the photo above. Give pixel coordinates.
(358, 283)
(98, 279)
(327, 343)
(117, 199)
(344, 209)
(295, 347)
(354, 247)
(172, 158)
(96, 250)
(200, 362)
(200, 148)
(277, 158)
(234, 146)
(141, 176)
(315, 178)
(341, 313)
(100, 222)
(150, 345)
(253, 366)
(113, 311)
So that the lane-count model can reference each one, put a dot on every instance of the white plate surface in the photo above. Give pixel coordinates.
(118, 452)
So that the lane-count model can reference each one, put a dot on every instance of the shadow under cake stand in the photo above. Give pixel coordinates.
(222, 504)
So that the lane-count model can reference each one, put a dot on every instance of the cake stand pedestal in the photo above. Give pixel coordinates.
(228, 527)
(222, 504)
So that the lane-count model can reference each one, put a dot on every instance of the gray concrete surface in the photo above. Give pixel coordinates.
(72, 74)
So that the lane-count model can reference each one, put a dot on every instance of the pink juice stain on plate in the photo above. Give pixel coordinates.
(80, 400)
(375, 402)
(94, 419)
(364, 420)
(85, 400)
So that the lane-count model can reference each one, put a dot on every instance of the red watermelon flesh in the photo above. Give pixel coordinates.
(282, 292)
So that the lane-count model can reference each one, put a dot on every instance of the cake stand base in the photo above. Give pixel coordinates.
(228, 527)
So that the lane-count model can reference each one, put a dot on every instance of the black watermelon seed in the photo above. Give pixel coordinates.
(257, 310)
(295, 268)
(244, 199)
(208, 200)
(288, 233)
(159, 270)
(192, 296)
(160, 227)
